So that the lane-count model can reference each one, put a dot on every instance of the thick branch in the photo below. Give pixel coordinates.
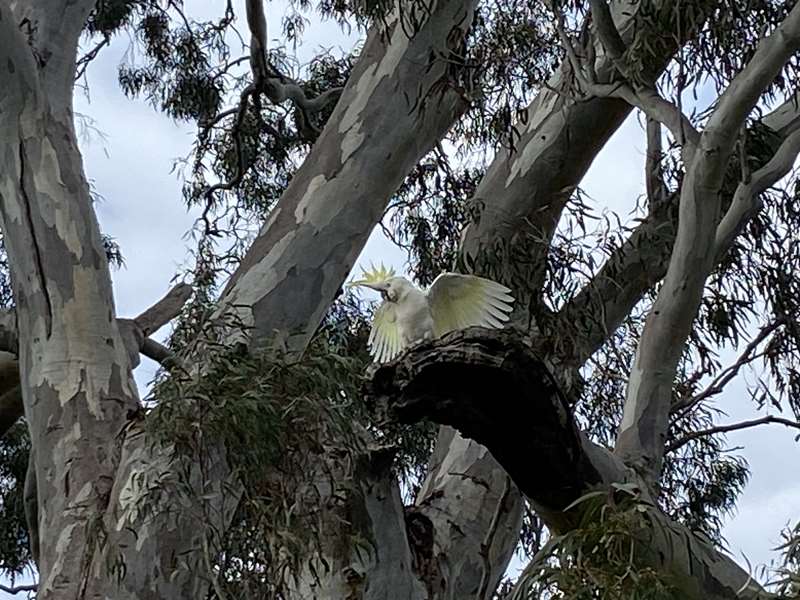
(653, 172)
(458, 381)
(299, 260)
(656, 107)
(649, 394)
(746, 200)
(492, 385)
(641, 261)
(747, 87)
(163, 311)
(525, 189)
(134, 336)
(606, 29)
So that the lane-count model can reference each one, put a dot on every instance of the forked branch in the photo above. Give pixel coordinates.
(644, 97)
(641, 440)
(269, 81)
(500, 394)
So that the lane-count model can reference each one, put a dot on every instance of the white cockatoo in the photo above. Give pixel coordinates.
(409, 314)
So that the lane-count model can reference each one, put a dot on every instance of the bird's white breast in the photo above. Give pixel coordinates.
(414, 317)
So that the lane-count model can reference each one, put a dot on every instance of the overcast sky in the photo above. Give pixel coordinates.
(131, 168)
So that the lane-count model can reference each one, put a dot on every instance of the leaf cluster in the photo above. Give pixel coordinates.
(597, 560)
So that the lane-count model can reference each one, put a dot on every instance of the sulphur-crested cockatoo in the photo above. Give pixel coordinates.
(409, 314)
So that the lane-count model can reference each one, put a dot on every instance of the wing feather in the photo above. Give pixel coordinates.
(384, 337)
(459, 301)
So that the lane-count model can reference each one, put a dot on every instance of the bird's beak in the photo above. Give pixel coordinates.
(378, 287)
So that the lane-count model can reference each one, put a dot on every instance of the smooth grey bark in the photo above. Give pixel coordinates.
(643, 430)
(523, 193)
(600, 307)
(474, 512)
(502, 395)
(401, 98)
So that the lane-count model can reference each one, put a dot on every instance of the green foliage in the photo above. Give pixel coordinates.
(293, 431)
(275, 419)
(786, 577)
(15, 556)
(269, 410)
(598, 559)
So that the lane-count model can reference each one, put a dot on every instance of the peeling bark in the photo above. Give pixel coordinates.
(75, 375)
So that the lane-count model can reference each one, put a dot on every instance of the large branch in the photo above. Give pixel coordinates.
(525, 189)
(521, 196)
(56, 27)
(588, 319)
(401, 97)
(493, 387)
(648, 400)
(399, 101)
(76, 380)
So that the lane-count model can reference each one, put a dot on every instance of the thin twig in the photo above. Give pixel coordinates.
(726, 375)
(83, 61)
(731, 427)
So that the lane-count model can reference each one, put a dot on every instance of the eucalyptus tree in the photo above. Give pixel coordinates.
(271, 461)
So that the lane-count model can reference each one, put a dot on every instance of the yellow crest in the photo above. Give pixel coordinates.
(374, 275)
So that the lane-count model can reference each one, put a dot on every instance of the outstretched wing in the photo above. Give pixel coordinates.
(460, 301)
(384, 339)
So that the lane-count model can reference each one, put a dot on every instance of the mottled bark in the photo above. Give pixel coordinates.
(76, 381)
(474, 514)
(521, 199)
(365, 552)
(525, 189)
(133, 332)
(75, 357)
(528, 427)
(402, 96)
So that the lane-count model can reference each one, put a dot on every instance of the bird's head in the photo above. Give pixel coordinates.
(383, 280)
